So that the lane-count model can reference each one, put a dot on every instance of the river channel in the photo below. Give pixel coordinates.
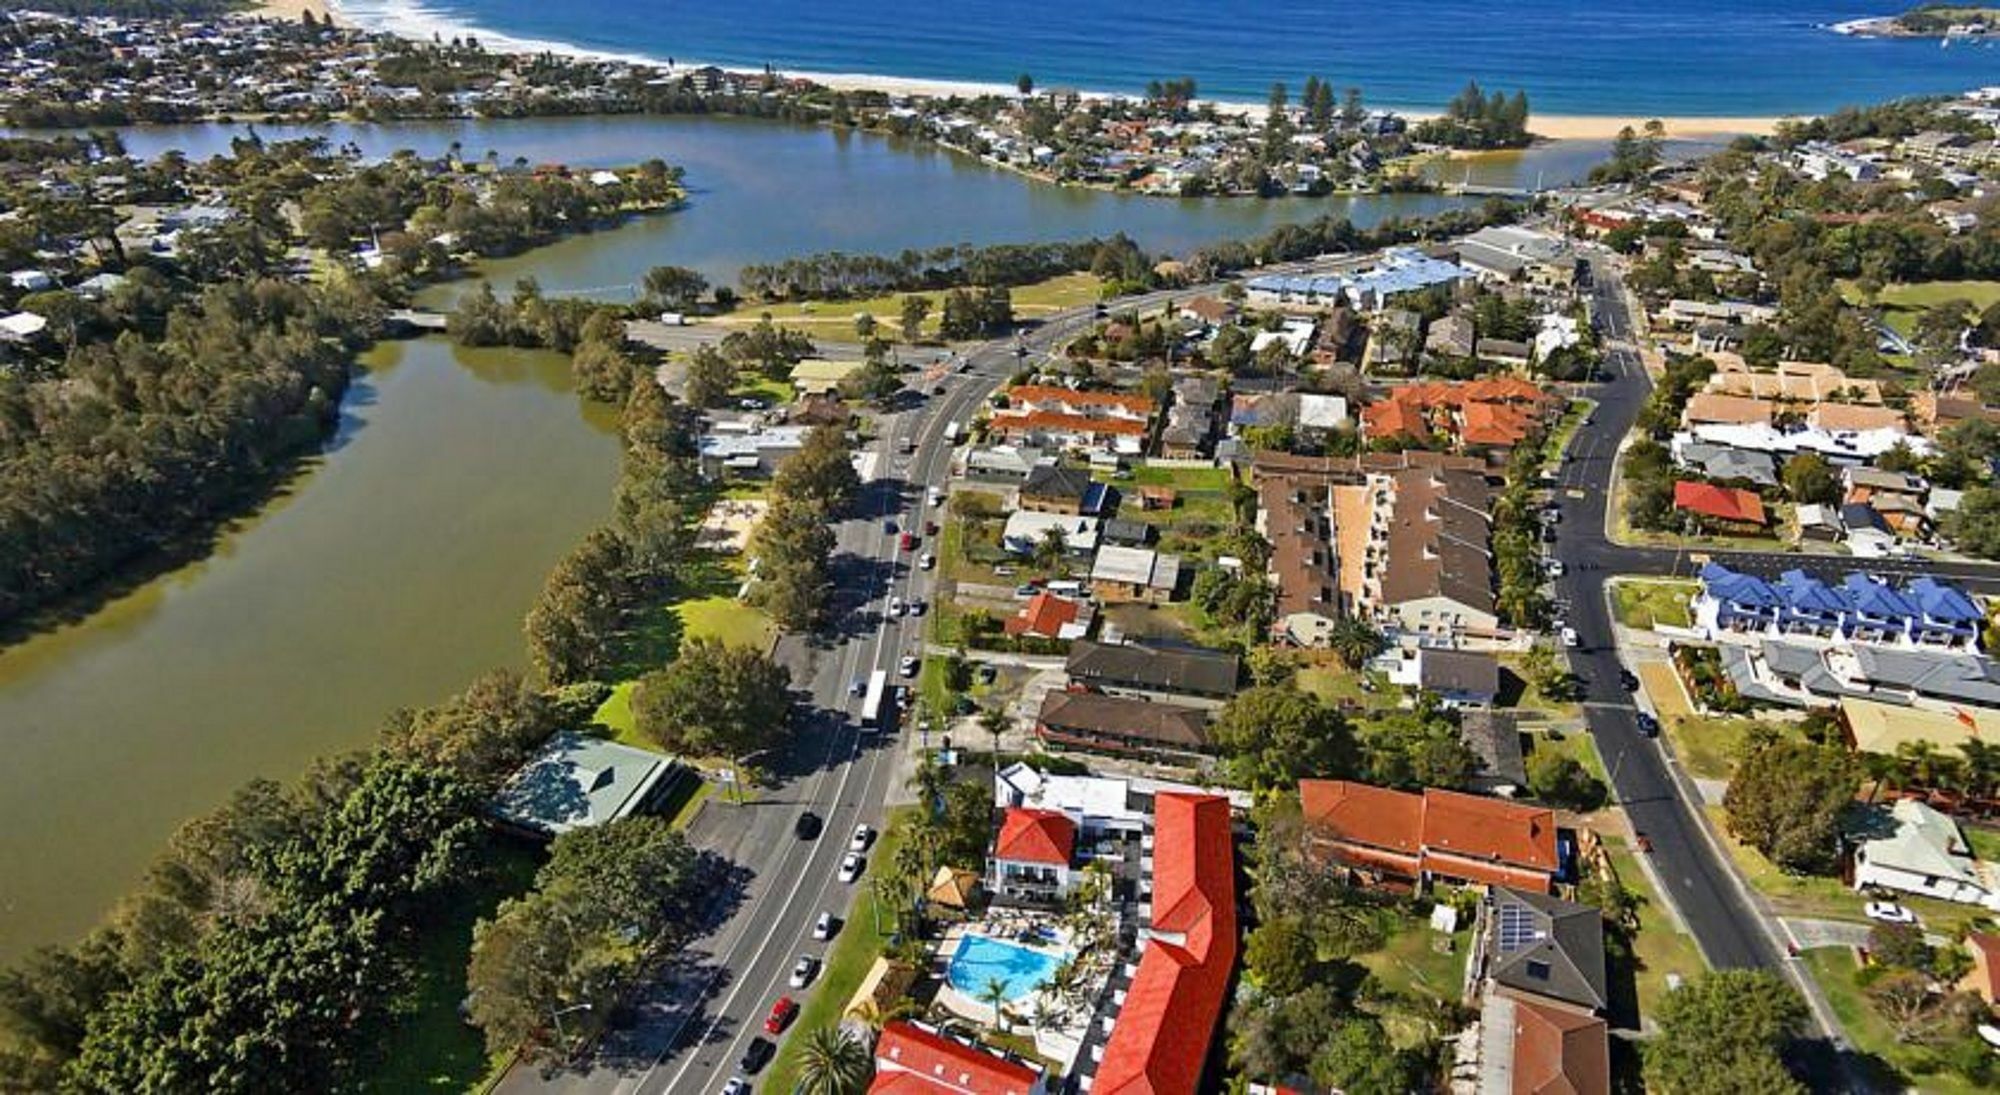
(399, 564)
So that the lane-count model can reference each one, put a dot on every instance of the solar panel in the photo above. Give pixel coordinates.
(1517, 928)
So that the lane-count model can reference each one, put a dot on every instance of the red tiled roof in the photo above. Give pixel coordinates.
(1043, 393)
(1161, 1038)
(1722, 503)
(1364, 813)
(1443, 832)
(912, 1060)
(1056, 421)
(1476, 827)
(1044, 615)
(1559, 1052)
(1035, 836)
(1497, 411)
(1985, 973)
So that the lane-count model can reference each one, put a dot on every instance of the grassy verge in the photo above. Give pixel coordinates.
(1707, 745)
(1641, 603)
(1576, 745)
(1531, 698)
(1827, 898)
(1659, 948)
(1834, 969)
(848, 960)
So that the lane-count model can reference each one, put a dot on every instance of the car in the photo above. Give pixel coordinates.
(804, 970)
(1628, 680)
(1004, 571)
(1555, 568)
(857, 686)
(750, 404)
(1648, 725)
(737, 1085)
(782, 1014)
(825, 927)
(988, 674)
(937, 496)
(758, 1054)
(1645, 842)
(926, 561)
(808, 825)
(889, 527)
(908, 445)
(1026, 589)
(851, 867)
(930, 528)
(916, 606)
(1552, 516)
(908, 666)
(937, 389)
(1548, 534)
(1888, 912)
(863, 836)
(1569, 638)
(895, 606)
(908, 541)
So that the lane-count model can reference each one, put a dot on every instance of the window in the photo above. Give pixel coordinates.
(1538, 970)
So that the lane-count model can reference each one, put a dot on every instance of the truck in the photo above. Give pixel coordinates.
(951, 433)
(877, 699)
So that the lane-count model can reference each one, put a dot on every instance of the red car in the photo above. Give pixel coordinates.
(782, 1014)
(909, 541)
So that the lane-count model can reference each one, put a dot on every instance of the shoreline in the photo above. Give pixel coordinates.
(414, 22)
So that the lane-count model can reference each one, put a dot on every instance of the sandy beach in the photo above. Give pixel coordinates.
(293, 10)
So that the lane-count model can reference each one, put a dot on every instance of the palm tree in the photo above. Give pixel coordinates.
(833, 1062)
(994, 721)
(994, 995)
(1354, 641)
(929, 782)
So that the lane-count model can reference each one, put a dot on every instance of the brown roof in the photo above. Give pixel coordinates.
(1439, 534)
(1444, 832)
(1855, 416)
(1559, 1052)
(1734, 410)
(1489, 828)
(1299, 525)
(1985, 973)
(1091, 712)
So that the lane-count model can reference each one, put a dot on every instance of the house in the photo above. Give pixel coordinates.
(1983, 978)
(1817, 522)
(914, 1059)
(1550, 1050)
(21, 326)
(1032, 856)
(1004, 463)
(1920, 851)
(1048, 616)
(1458, 677)
(1491, 414)
(1320, 416)
(1161, 1036)
(1884, 728)
(1451, 336)
(1728, 507)
(1898, 497)
(1392, 339)
(1790, 381)
(1190, 425)
(576, 782)
(1027, 530)
(1926, 613)
(1134, 574)
(1399, 271)
(1866, 533)
(1408, 838)
(1091, 722)
(1295, 515)
(1126, 532)
(1061, 418)
(1540, 963)
(1722, 463)
(820, 376)
(1504, 352)
(1053, 489)
(1189, 675)
(748, 450)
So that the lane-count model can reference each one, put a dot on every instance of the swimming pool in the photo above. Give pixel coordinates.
(979, 959)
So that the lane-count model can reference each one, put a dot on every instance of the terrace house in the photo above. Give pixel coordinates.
(1404, 838)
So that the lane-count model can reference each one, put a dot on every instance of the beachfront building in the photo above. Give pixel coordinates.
(1405, 839)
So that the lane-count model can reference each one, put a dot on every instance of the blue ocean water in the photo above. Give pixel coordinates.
(1621, 57)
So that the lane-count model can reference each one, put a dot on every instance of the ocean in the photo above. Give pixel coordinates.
(1671, 58)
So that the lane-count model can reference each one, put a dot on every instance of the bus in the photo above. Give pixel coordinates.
(951, 432)
(878, 696)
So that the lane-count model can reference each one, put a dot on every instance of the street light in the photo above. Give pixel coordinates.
(562, 1040)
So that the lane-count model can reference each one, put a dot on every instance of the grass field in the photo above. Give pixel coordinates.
(726, 618)
(834, 319)
(1707, 745)
(1411, 963)
(1641, 603)
(1659, 948)
(1833, 968)
(848, 960)
(1902, 304)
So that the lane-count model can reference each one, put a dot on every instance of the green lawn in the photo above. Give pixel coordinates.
(1411, 963)
(834, 319)
(1641, 603)
(1577, 745)
(1985, 842)
(428, 1047)
(1828, 898)
(728, 619)
(848, 960)
(774, 393)
(1901, 304)
(615, 713)
(1660, 947)
(1834, 969)
(1202, 505)
(1707, 745)
(1531, 698)
(1337, 684)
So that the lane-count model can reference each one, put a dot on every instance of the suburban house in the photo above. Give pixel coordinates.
(1166, 1023)
(1540, 963)
(1984, 976)
(1134, 574)
(1921, 851)
(729, 450)
(1004, 463)
(1091, 722)
(1032, 856)
(1888, 729)
(1726, 507)
(822, 376)
(1060, 418)
(1458, 677)
(1053, 489)
(1404, 838)
(1427, 565)
(1925, 613)
(1724, 464)
(1190, 425)
(1049, 616)
(1190, 675)
(1897, 496)
(576, 782)
(1490, 414)
(914, 1059)
(1028, 529)
(1392, 341)
(1790, 381)
(1450, 336)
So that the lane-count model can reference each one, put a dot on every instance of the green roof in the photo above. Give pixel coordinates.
(576, 782)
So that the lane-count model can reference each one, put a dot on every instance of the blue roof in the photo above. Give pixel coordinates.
(1865, 594)
(1856, 515)
(1942, 602)
(1805, 593)
(1741, 589)
(1402, 270)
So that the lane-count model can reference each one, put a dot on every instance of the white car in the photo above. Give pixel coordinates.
(937, 496)
(851, 867)
(895, 606)
(926, 561)
(1555, 568)
(916, 606)
(823, 927)
(737, 1085)
(863, 836)
(1569, 638)
(803, 973)
(1888, 912)
(908, 666)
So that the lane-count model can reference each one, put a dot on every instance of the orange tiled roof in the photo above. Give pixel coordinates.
(1365, 813)
(1489, 828)
(1161, 1037)
(1058, 422)
(1044, 615)
(1988, 970)
(1043, 393)
(1496, 411)
(1559, 1052)
(1721, 503)
(910, 1059)
(1035, 836)
(1445, 832)
(1735, 410)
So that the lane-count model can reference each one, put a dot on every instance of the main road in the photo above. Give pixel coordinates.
(690, 1026)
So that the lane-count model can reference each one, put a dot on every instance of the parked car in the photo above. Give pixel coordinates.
(804, 970)
(916, 606)
(808, 825)
(782, 1014)
(908, 666)
(908, 542)
(825, 927)
(1555, 568)
(758, 1054)
(889, 527)
(930, 528)
(851, 867)
(926, 561)
(857, 686)
(895, 606)
(863, 836)
(937, 496)
(1628, 680)
(1648, 725)
(737, 1085)
(1888, 912)
(1569, 638)
(1026, 589)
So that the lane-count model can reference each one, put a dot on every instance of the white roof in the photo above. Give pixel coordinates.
(1026, 528)
(1135, 566)
(22, 324)
(1322, 412)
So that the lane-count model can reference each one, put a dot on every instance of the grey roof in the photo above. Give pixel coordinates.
(1050, 481)
(1547, 946)
(576, 782)
(1496, 741)
(1190, 669)
(1966, 677)
(1726, 462)
(1458, 671)
(1124, 530)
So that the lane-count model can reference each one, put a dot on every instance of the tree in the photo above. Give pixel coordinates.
(914, 310)
(1786, 799)
(1051, 549)
(674, 288)
(1900, 946)
(635, 875)
(710, 377)
(1025, 84)
(792, 545)
(994, 995)
(821, 472)
(1975, 525)
(833, 1062)
(1274, 735)
(715, 700)
(482, 734)
(1281, 955)
(1810, 480)
(1723, 1032)
(1355, 641)
(1359, 1060)
(603, 370)
(1560, 779)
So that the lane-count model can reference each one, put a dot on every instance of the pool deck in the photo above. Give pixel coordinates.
(1059, 1043)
